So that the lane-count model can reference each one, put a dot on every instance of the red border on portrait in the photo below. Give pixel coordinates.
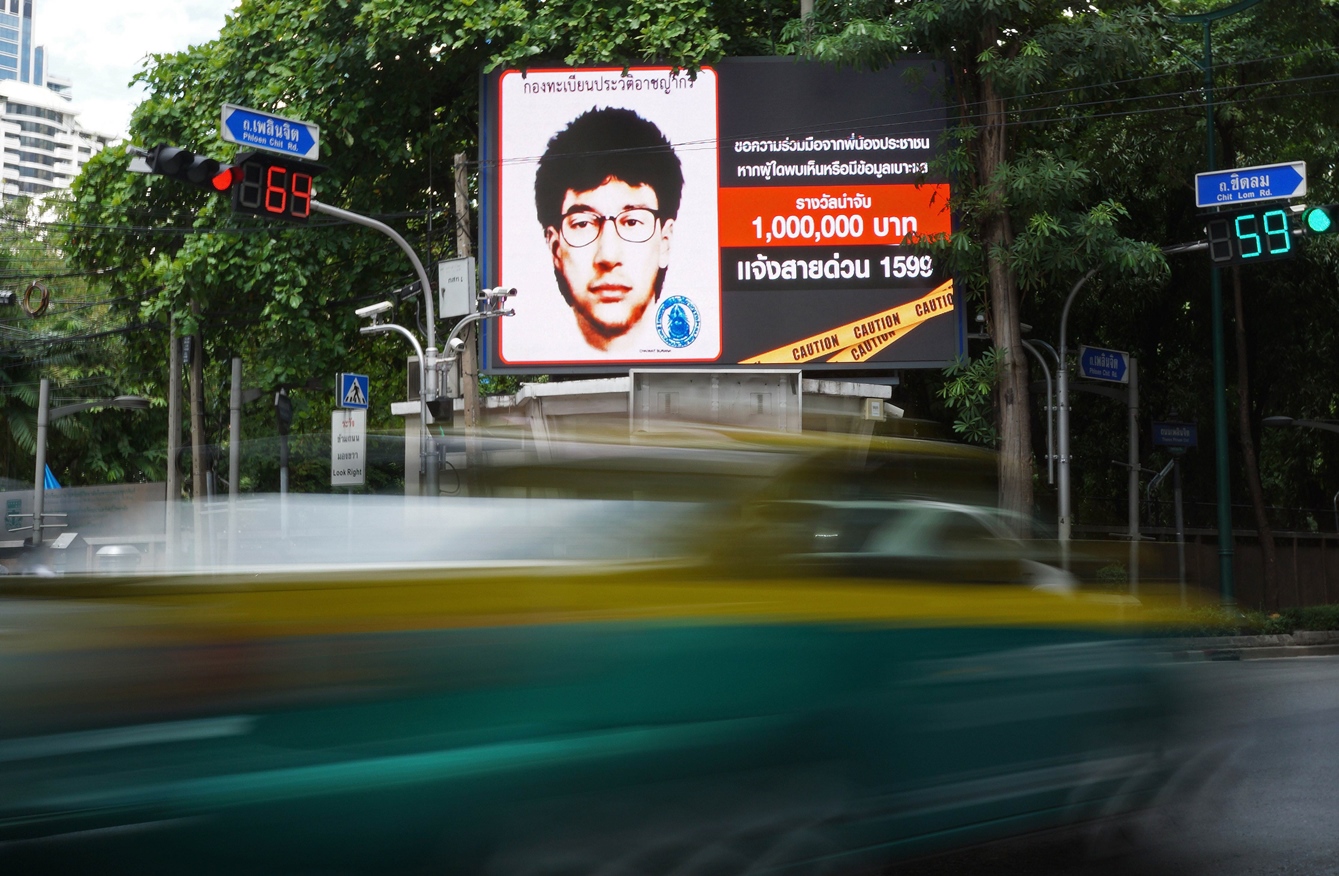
(720, 303)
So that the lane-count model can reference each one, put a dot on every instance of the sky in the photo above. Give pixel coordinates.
(100, 45)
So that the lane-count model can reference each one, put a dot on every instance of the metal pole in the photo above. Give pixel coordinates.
(234, 455)
(235, 428)
(172, 510)
(39, 479)
(426, 454)
(1132, 478)
(1062, 399)
(1225, 546)
(283, 465)
(1180, 529)
(427, 387)
(283, 486)
(469, 356)
(428, 306)
(1050, 414)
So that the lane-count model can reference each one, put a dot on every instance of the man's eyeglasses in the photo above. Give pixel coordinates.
(582, 227)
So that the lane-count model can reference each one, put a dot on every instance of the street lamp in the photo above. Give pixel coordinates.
(1066, 514)
(490, 307)
(426, 451)
(45, 416)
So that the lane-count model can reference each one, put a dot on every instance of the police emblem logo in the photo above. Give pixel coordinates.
(678, 321)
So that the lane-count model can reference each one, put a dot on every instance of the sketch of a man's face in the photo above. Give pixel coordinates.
(607, 194)
(610, 248)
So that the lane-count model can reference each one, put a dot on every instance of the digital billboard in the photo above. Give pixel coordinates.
(755, 213)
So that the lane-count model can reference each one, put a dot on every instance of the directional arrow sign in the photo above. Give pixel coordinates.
(1265, 182)
(1112, 366)
(261, 130)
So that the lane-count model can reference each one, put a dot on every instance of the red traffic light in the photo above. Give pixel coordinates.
(225, 178)
(185, 166)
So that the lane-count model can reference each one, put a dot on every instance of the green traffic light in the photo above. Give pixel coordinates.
(1319, 220)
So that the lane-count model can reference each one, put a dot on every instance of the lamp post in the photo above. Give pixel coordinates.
(1066, 514)
(426, 452)
(490, 302)
(47, 415)
(1031, 346)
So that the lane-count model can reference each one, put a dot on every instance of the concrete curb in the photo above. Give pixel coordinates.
(1302, 643)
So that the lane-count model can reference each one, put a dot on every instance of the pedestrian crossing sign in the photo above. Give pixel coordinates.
(351, 391)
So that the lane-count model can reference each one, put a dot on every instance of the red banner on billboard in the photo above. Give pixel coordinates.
(826, 215)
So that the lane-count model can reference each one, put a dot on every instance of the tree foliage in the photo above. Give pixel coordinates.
(1077, 131)
(1029, 209)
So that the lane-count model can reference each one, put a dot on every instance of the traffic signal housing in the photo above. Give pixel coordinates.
(1321, 219)
(185, 166)
(273, 186)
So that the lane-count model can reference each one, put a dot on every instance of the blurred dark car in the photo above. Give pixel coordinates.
(907, 540)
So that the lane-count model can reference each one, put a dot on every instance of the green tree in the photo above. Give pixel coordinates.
(64, 329)
(394, 86)
(1031, 215)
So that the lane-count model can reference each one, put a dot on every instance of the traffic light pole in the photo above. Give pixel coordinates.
(428, 389)
(1226, 583)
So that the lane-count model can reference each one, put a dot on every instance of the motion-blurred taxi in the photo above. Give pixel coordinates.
(570, 671)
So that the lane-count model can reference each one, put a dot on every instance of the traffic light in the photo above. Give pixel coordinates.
(1245, 237)
(273, 186)
(283, 411)
(1321, 220)
(185, 166)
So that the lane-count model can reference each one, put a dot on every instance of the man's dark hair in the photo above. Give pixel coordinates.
(601, 144)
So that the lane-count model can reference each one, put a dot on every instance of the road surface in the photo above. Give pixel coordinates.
(1267, 803)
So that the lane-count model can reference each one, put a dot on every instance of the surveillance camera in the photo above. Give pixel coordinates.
(456, 344)
(498, 292)
(373, 309)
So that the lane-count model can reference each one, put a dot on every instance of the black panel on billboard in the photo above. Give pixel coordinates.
(759, 213)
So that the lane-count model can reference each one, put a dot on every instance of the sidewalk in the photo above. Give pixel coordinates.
(1302, 643)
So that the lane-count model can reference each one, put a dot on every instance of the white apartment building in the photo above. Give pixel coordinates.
(43, 144)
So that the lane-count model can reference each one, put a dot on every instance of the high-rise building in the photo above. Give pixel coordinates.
(19, 59)
(43, 144)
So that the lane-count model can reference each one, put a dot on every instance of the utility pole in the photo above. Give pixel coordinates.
(1132, 473)
(171, 523)
(197, 388)
(469, 357)
(1226, 548)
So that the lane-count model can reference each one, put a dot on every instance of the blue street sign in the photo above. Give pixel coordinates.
(1264, 182)
(262, 130)
(351, 391)
(1110, 365)
(1175, 435)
